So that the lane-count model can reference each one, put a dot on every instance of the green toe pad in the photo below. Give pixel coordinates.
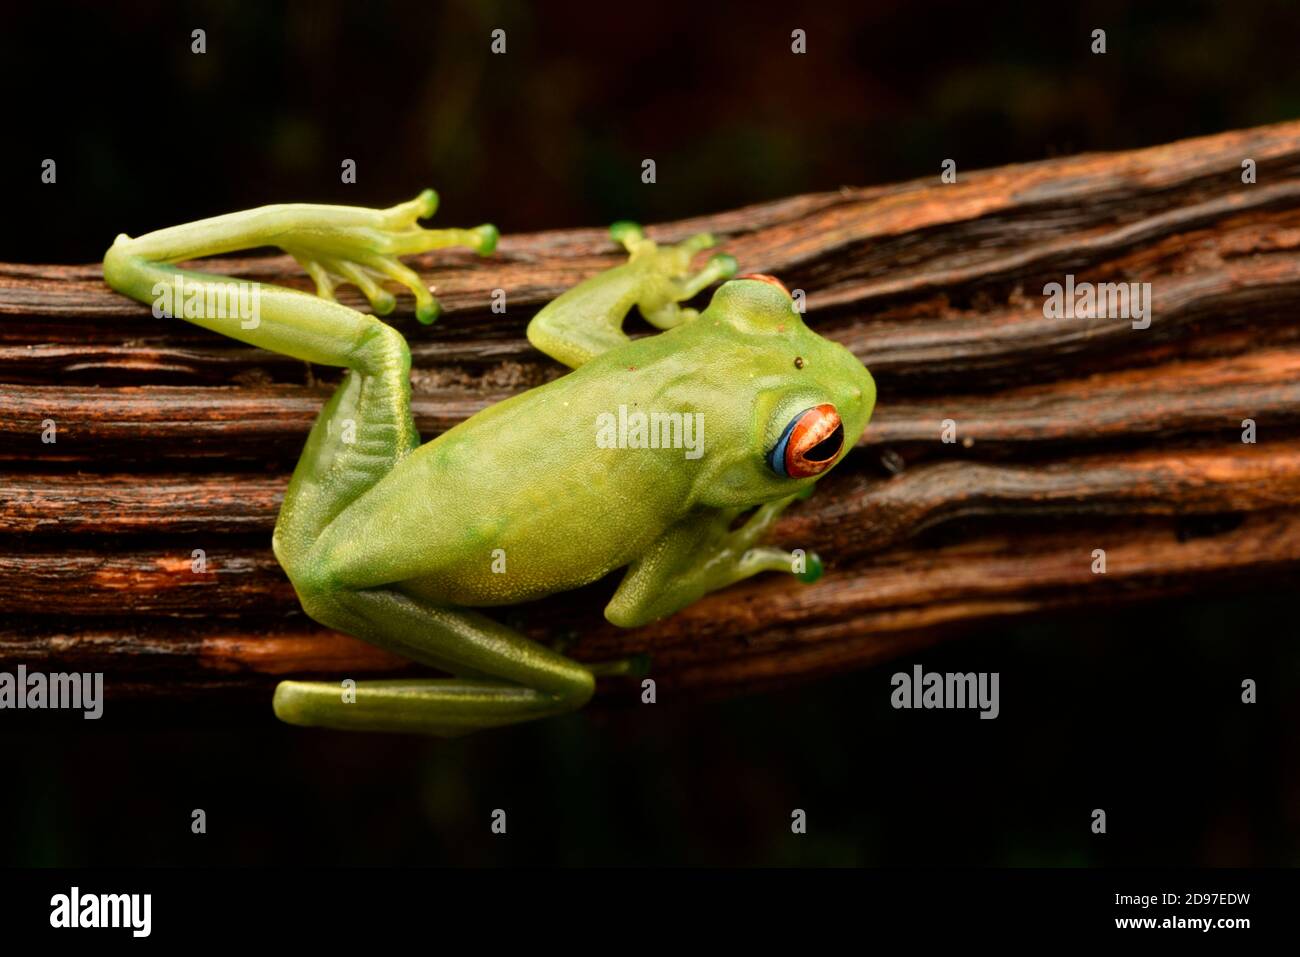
(726, 264)
(625, 229)
(488, 236)
(813, 569)
(428, 313)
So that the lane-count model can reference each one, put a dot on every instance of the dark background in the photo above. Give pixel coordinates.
(1134, 710)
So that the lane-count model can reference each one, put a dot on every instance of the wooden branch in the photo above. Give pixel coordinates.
(1073, 434)
(860, 513)
(756, 634)
(157, 423)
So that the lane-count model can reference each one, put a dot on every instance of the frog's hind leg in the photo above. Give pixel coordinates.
(503, 677)
(360, 435)
(366, 427)
(334, 244)
(361, 431)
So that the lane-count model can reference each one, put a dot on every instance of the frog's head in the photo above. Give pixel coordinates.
(806, 400)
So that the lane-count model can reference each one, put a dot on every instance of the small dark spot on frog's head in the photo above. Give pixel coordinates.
(798, 362)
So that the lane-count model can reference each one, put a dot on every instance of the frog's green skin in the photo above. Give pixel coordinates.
(395, 542)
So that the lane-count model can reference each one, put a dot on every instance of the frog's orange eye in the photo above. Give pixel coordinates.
(809, 444)
(764, 277)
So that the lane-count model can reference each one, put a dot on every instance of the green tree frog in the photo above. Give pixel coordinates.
(647, 456)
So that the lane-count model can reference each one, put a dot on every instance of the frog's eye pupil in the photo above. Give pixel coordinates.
(809, 444)
(828, 447)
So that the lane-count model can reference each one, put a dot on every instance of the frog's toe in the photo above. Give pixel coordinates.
(365, 252)
(724, 264)
(813, 569)
(428, 203)
(405, 214)
(633, 666)
(625, 231)
(488, 238)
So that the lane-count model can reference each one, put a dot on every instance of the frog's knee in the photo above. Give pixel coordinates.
(120, 267)
(576, 687)
(291, 703)
(628, 614)
(383, 350)
(317, 589)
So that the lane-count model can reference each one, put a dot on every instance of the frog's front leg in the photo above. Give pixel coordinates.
(587, 320)
(700, 554)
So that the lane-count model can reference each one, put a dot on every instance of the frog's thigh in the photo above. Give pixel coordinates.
(361, 434)
(504, 677)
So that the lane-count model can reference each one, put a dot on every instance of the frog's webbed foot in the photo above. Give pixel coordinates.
(659, 302)
(361, 246)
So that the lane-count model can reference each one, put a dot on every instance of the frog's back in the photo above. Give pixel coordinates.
(526, 498)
